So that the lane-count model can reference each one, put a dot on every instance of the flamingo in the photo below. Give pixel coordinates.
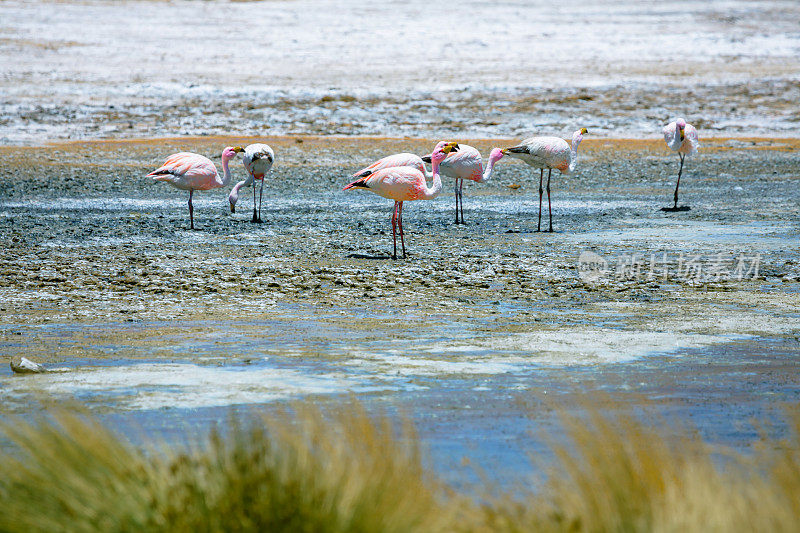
(466, 164)
(682, 138)
(548, 153)
(405, 183)
(257, 160)
(194, 172)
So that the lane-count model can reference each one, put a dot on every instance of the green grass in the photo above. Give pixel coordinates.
(300, 470)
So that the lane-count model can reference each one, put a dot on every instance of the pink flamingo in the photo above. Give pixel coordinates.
(466, 164)
(548, 153)
(257, 161)
(194, 172)
(404, 184)
(682, 138)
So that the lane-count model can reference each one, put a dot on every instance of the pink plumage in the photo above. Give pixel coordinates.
(186, 170)
(193, 172)
(466, 164)
(396, 160)
(396, 183)
(402, 184)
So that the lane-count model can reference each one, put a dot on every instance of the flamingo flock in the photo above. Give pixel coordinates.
(403, 177)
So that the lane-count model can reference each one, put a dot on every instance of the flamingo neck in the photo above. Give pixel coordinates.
(433, 192)
(233, 197)
(573, 154)
(238, 186)
(226, 172)
(487, 174)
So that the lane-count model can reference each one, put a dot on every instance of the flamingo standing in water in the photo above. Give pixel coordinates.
(466, 164)
(404, 184)
(548, 153)
(193, 172)
(257, 160)
(682, 138)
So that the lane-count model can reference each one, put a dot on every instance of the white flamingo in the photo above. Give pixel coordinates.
(548, 153)
(466, 164)
(404, 184)
(257, 161)
(682, 138)
(193, 172)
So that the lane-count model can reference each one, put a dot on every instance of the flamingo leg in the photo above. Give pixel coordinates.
(678, 184)
(191, 209)
(541, 177)
(400, 223)
(455, 195)
(461, 198)
(549, 206)
(394, 229)
(255, 217)
(260, 195)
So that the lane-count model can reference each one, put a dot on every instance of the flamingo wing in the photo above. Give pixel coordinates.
(396, 160)
(542, 152)
(691, 141)
(396, 183)
(185, 165)
(670, 130)
(466, 163)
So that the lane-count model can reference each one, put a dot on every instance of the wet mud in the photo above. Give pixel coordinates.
(165, 329)
(88, 239)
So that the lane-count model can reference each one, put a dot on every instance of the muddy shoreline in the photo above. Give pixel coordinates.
(88, 239)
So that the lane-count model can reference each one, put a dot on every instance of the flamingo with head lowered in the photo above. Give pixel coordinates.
(548, 153)
(257, 161)
(682, 138)
(193, 172)
(404, 184)
(466, 164)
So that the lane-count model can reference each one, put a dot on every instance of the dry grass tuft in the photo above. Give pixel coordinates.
(295, 471)
(301, 470)
(618, 473)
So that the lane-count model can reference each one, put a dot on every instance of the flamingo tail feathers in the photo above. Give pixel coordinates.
(161, 174)
(522, 149)
(360, 183)
(365, 174)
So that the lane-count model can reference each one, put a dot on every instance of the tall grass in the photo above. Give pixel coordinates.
(300, 470)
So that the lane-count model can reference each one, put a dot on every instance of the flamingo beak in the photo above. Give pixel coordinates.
(450, 147)
(238, 149)
(584, 131)
(682, 135)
